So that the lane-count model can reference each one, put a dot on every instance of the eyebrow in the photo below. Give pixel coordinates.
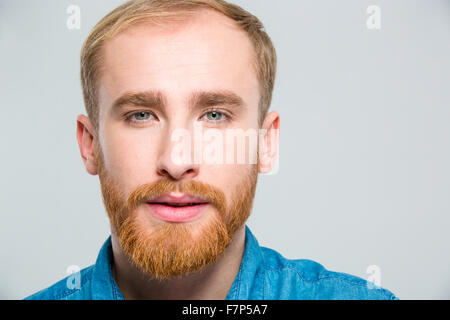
(144, 99)
(197, 100)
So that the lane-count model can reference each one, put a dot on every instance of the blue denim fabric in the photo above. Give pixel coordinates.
(264, 274)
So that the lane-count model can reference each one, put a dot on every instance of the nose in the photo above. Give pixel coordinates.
(175, 160)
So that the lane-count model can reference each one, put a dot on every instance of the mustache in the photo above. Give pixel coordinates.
(145, 192)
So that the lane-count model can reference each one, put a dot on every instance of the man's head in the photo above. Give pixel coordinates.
(148, 69)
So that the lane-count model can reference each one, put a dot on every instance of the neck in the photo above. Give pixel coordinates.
(212, 283)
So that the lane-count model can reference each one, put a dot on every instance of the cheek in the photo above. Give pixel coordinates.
(227, 178)
(130, 158)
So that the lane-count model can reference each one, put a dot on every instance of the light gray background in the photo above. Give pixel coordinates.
(364, 173)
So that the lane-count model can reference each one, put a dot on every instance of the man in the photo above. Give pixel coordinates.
(156, 71)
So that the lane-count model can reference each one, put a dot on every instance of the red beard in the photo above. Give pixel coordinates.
(164, 250)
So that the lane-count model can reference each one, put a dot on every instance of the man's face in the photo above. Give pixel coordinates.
(205, 57)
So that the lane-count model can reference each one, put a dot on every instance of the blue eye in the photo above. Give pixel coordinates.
(139, 116)
(215, 116)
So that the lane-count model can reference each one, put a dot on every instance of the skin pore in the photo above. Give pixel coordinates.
(157, 79)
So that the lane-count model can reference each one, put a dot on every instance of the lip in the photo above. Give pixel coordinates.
(175, 197)
(160, 209)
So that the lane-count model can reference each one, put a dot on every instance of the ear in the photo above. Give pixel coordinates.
(269, 142)
(86, 143)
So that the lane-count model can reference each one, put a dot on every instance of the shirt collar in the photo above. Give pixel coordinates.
(103, 285)
(248, 283)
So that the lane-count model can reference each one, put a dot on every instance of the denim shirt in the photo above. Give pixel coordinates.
(264, 274)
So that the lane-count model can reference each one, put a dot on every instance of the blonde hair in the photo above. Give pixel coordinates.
(135, 11)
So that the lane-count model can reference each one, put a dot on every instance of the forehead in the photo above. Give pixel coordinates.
(205, 52)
